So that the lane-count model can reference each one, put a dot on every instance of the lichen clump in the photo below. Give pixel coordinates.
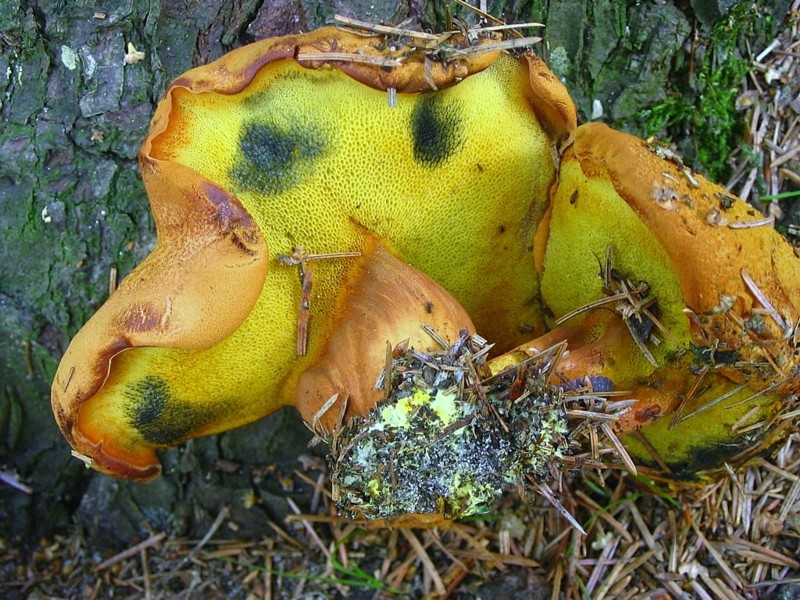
(445, 443)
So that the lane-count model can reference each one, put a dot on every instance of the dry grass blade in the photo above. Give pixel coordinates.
(764, 301)
(443, 343)
(69, 378)
(153, 540)
(748, 549)
(309, 529)
(479, 551)
(651, 450)
(379, 61)
(640, 344)
(588, 307)
(482, 13)
(733, 578)
(510, 27)
(223, 514)
(757, 395)
(791, 502)
(689, 395)
(113, 276)
(601, 565)
(545, 491)
(765, 222)
(387, 369)
(498, 558)
(321, 413)
(776, 582)
(13, 480)
(436, 540)
(513, 44)
(615, 574)
(621, 452)
(714, 402)
(598, 511)
(427, 40)
(426, 561)
(647, 535)
(593, 415)
(548, 359)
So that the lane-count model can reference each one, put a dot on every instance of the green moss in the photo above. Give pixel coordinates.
(702, 108)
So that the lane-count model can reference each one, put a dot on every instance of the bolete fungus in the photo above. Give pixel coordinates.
(676, 291)
(344, 159)
(319, 197)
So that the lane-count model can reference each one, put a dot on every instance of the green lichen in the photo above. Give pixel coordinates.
(440, 446)
(560, 63)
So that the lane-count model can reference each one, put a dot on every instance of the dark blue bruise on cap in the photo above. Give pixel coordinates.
(160, 417)
(274, 158)
(600, 384)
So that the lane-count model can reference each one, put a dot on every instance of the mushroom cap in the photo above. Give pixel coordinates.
(198, 285)
(686, 236)
(463, 160)
(725, 287)
(385, 304)
(293, 142)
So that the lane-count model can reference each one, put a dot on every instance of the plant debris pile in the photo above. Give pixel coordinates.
(451, 435)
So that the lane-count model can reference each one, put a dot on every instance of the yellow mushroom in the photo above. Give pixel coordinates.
(257, 166)
(676, 291)
(319, 196)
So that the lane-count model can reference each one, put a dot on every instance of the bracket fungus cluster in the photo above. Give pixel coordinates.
(320, 198)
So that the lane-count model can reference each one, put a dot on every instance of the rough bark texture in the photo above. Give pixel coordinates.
(72, 209)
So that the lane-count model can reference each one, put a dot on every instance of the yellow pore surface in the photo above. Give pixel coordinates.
(453, 181)
(588, 216)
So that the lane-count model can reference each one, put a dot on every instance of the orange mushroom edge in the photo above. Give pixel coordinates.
(196, 287)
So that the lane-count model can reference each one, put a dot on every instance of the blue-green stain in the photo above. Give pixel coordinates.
(436, 130)
(273, 158)
(158, 416)
(707, 458)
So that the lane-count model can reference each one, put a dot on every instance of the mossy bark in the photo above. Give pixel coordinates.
(73, 211)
